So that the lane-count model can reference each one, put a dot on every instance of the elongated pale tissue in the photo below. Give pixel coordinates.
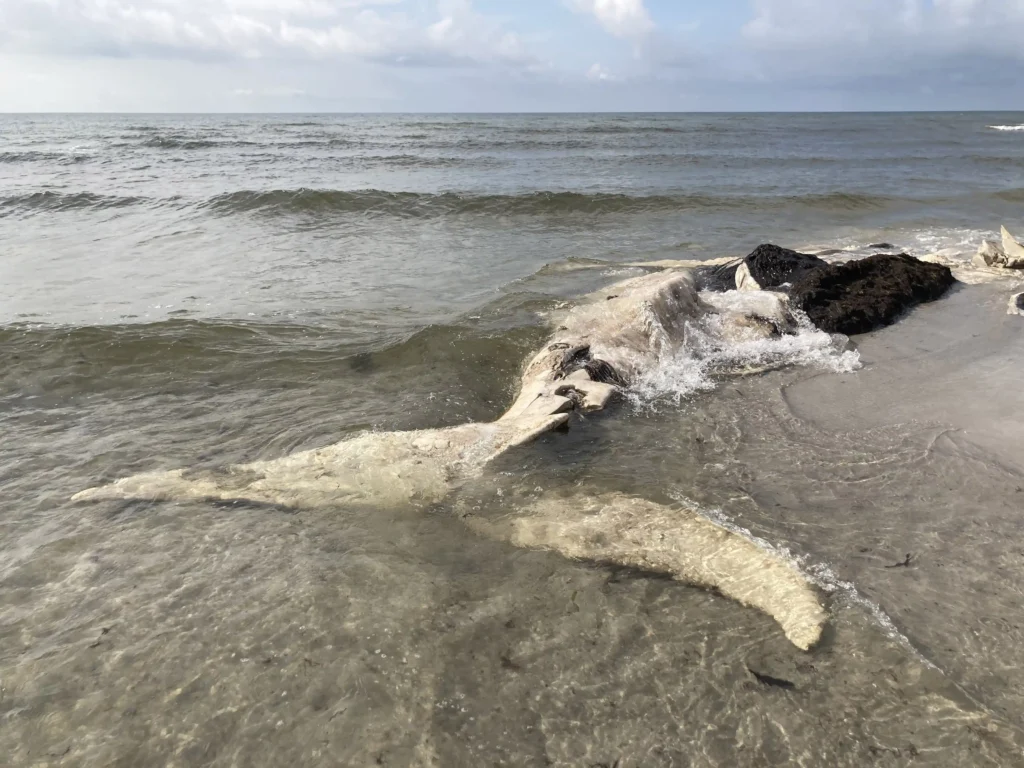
(421, 466)
(389, 468)
(637, 533)
(744, 315)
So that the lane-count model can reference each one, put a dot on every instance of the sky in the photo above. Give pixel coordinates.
(510, 55)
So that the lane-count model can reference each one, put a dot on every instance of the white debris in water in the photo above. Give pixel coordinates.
(961, 242)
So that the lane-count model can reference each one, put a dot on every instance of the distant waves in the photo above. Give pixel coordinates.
(370, 202)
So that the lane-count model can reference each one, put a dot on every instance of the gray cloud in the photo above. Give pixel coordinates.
(879, 31)
(380, 30)
(449, 55)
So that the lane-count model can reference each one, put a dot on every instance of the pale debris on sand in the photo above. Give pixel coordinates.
(1005, 253)
(973, 272)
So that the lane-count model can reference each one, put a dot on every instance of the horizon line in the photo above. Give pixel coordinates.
(531, 112)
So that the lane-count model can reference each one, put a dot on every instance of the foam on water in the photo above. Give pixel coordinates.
(963, 241)
(1007, 127)
(916, 242)
(712, 349)
(953, 247)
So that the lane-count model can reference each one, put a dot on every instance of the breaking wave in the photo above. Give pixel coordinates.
(1007, 128)
(631, 129)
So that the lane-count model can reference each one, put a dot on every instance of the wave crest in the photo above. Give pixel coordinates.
(186, 143)
(65, 201)
(61, 158)
(418, 204)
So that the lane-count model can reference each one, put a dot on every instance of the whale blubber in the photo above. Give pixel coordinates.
(679, 542)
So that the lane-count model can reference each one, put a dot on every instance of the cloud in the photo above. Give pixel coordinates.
(887, 29)
(402, 55)
(622, 18)
(448, 32)
(600, 74)
(276, 92)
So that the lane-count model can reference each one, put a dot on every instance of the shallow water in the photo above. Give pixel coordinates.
(193, 634)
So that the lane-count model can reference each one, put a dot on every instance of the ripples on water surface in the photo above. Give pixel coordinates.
(197, 291)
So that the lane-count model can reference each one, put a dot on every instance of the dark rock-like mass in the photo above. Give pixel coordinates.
(860, 296)
(772, 266)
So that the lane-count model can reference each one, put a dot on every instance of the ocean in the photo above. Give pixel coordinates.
(195, 291)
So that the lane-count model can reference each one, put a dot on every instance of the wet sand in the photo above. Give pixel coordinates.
(954, 362)
(948, 373)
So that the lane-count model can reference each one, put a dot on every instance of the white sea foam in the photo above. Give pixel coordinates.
(1007, 127)
(622, 272)
(916, 242)
(713, 349)
(961, 241)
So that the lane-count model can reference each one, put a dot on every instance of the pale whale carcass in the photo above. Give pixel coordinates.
(607, 339)
(603, 342)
